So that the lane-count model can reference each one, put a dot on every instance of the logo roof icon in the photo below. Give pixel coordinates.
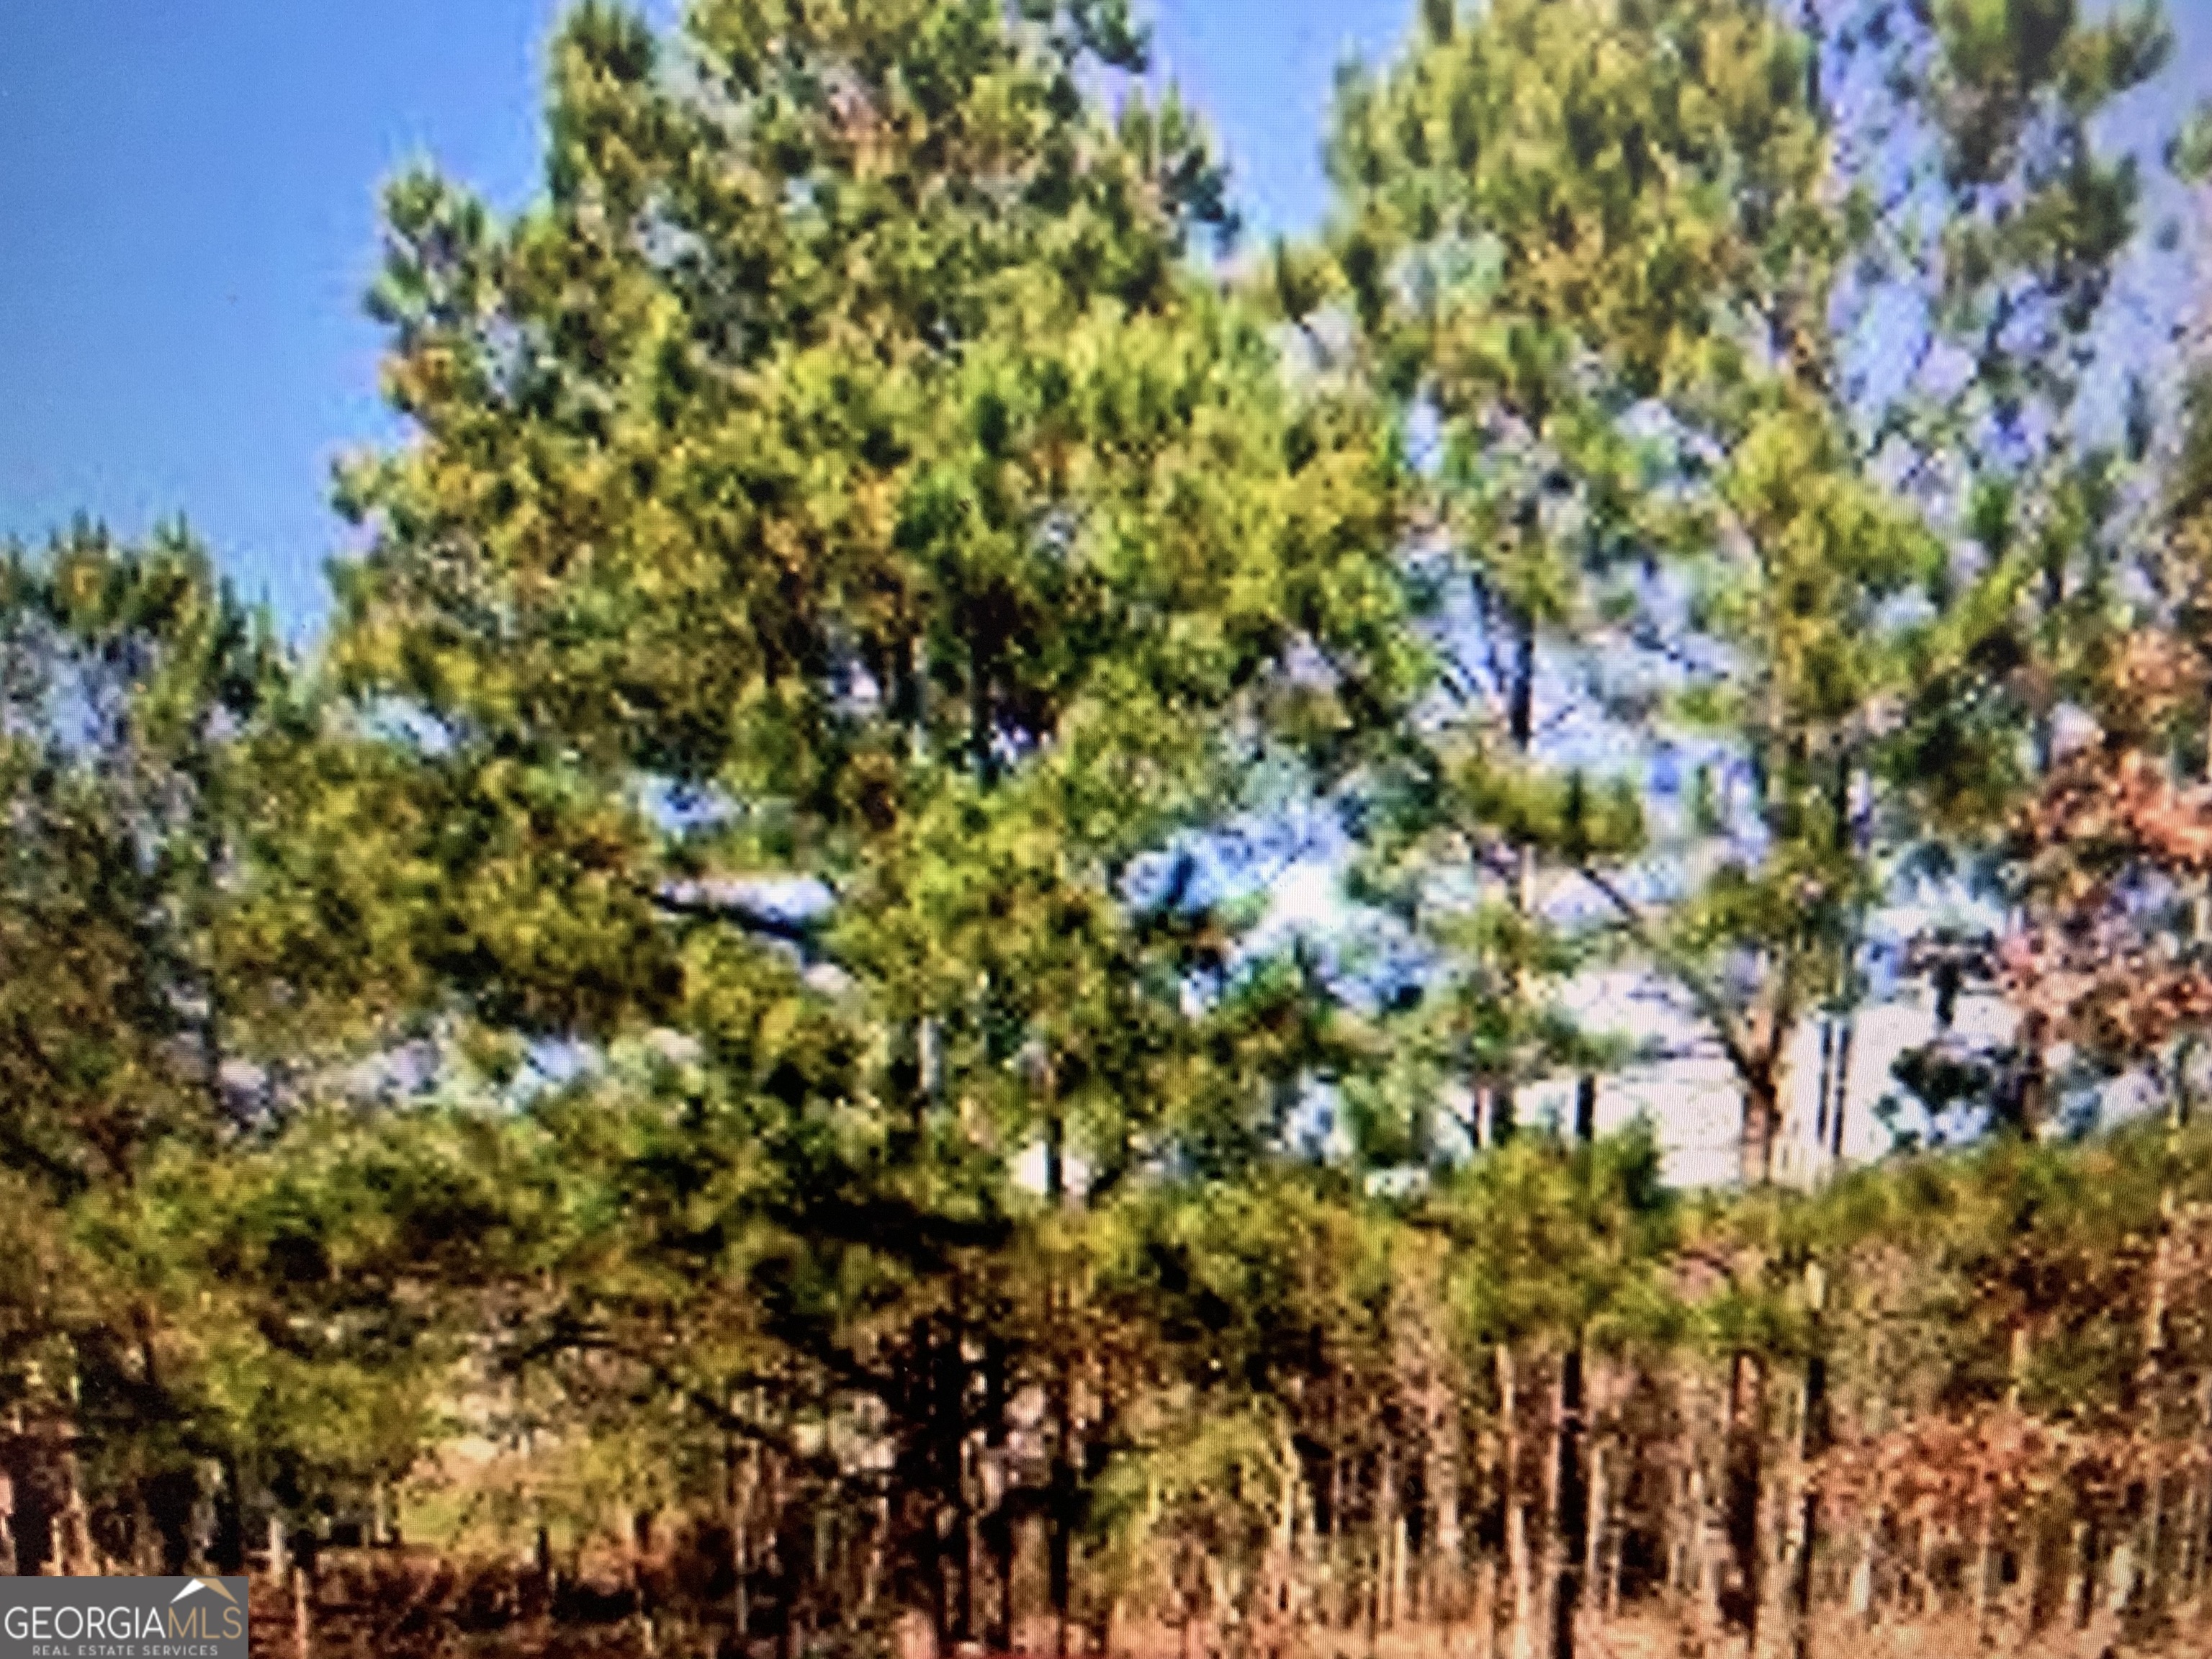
(192, 1585)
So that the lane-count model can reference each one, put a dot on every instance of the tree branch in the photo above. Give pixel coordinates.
(1710, 1004)
(683, 899)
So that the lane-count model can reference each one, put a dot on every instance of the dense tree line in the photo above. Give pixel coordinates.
(723, 1017)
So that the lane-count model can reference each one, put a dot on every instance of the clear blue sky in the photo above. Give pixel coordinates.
(187, 221)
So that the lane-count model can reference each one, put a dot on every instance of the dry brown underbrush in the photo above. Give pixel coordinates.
(423, 1604)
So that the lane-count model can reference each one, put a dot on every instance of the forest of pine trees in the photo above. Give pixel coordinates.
(711, 1068)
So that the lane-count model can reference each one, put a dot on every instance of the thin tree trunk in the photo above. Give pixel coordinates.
(1984, 1567)
(2034, 1575)
(1839, 1101)
(73, 1556)
(1571, 1506)
(1520, 1570)
(1339, 1611)
(999, 1526)
(2081, 1574)
(1812, 1443)
(1599, 1540)
(1932, 1601)
(30, 1520)
(783, 1572)
(1096, 1437)
(1372, 1601)
(743, 1475)
(1059, 1542)
(1060, 1539)
(2152, 1379)
(1443, 1481)
(2123, 1572)
(1707, 1487)
(2033, 1522)
(1826, 1081)
(1610, 1602)
(229, 1551)
(2184, 1577)
(1747, 1423)
(2201, 1531)
(641, 1588)
(1683, 1492)
(1278, 1586)
(1389, 1531)
(1401, 1606)
(1861, 1601)
(871, 1570)
(1521, 730)
(1762, 1129)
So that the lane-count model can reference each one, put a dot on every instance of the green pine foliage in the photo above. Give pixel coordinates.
(717, 1035)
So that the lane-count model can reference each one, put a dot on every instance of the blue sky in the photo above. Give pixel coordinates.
(188, 193)
(187, 221)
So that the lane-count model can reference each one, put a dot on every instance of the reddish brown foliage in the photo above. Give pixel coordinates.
(2112, 845)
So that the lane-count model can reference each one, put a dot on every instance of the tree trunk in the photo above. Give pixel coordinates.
(743, 1475)
(1706, 1486)
(949, 1414)
(226, 1550)
(30, 1485)
(1503, 1113)
(1597, 1578)
(2123, 1573)
(1339, 1611)
(2151, 1382)
(1521, 730)
(1571, 1509)
(1060, 1506)
(871, 1567)
(1984, 1567)
(1762, 1127)
(1812, 1443)
(1861, 1589)
(1400, 1579)
(1840, 1100)
(1747, 1425)
(1389, 1533)
(2082, 1574)
(73, 1556)
(1371, 1601)
(1443, 1478)
(1520, 1570)
(997, 1526)
(2200, 1531)
(1826, 1078)
(2034, 1575)
(1931, 1601)
(1609, 1602)
(640, 1583)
